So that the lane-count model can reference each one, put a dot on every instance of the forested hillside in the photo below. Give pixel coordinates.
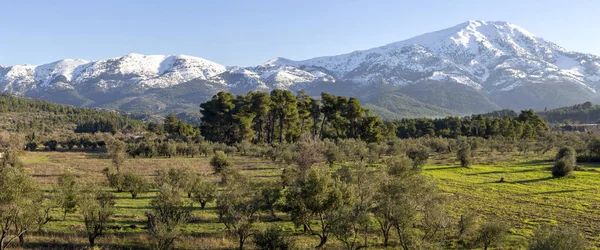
(580, 113)
(21, 114)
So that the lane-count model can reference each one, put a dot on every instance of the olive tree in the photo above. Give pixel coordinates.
(96, 207)
(169, 213)
(271, 239)
(419, 155)
(65, 193)
(491, 232)
(135, 184)
(464, 155)
(237, 207)
(19, 196)
(557, 238)
(314, 195)
(352, 221)
(204, 192)
(220, 163)
(269, 194)
(117, 152)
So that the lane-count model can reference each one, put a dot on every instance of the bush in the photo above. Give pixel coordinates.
(568, 154)
(219, 162)
(464, 155)
(557, 239)
(272, 239)
(562, 168)
(565, 162)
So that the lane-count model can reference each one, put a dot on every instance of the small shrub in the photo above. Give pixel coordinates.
(219, 162)
(557, 239)
(565, 162)
(464, 155)
(272, 239)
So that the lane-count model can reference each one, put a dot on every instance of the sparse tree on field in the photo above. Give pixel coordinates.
(168, 215)
(464, 155)
(66, 193)
(272, 239)
(466, 224)
(96, 208)
(204, 192)
(352, 221)
(558, 238)
(192, 149)
(314, 194)
(18, 195)
(181, 178)
(237, 207)
(135, 184)
(490, 233)
(220, 162)
(308, 152)
(419, 155)
(331, 152)
(269, 194)
(117, 151)
(565, 162)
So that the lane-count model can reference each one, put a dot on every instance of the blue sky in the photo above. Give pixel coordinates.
(250, 32)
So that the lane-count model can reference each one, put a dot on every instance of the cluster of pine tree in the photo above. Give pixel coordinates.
(526, 125)
(283, 117)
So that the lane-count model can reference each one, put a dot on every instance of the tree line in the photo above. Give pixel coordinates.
(526, 125)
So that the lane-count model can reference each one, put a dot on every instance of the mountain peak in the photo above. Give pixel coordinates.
(278, 61)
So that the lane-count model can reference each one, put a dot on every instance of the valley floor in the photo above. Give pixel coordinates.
(527, 198)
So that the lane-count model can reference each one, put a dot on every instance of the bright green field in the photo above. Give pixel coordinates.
(526, 199)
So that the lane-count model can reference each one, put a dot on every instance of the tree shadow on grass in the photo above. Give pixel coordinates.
(532, 180)
(504, 172)
(533, 163)
(560, 191)
(441, 168)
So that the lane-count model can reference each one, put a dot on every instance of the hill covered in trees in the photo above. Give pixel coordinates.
(580, 113)
(25, 115)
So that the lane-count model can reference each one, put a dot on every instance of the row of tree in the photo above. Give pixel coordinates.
(526, 125)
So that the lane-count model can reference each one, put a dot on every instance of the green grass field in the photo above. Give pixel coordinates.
(527, 198)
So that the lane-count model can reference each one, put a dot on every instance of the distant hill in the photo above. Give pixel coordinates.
(27, 115)
(580, 113)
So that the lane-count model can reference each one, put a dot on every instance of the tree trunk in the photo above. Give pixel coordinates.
(133, 196)
(241, 242)
(323, 241)
(22, 240)
(202, 204)
(91, 239)
(189, 194)
(386, 239)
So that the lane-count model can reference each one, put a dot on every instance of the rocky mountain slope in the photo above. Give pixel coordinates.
(474, 67)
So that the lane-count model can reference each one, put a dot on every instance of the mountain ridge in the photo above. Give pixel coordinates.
(472, 67)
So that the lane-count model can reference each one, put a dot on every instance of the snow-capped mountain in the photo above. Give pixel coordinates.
(473, 67)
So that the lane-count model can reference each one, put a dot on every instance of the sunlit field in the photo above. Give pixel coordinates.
(526, 198)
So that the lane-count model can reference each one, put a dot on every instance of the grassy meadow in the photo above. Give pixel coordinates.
(528, 197)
